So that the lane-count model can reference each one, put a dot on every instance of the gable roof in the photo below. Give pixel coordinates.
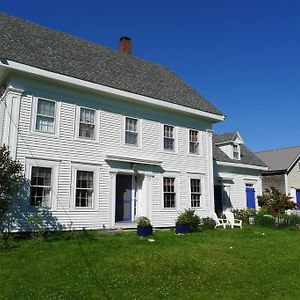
(227, 137)
(37, 46)
(247, 156)
(280, 159)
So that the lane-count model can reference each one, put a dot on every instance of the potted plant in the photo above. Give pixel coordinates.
(187, 222)
(144, 227)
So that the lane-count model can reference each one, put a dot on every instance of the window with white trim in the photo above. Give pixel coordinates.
(45, 116)
(40, 186)
(236, 151)
(84, 189)
(194, 141)
(131, 131)
(169, 138)
(169, 192)
(195, 185)
(87, 123)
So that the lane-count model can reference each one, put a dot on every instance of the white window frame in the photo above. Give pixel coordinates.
(96, 128)
(35, 101)
(190, 192)
(175, 132)
(238, 151)
(176, 189)
(54, 165)
(199, 142)
(89, 168)
(139, 132)
(200, 177)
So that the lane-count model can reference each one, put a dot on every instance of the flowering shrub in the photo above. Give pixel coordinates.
(144, 222)
(275, 202)
(189, 217)
(244, 214)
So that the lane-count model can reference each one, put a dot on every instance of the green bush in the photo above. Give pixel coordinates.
(144, 222)
(291, 221)
(207, 223)
(263, 218)
(189, 217)
(244, 214)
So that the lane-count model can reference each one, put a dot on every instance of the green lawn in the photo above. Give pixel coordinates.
(252, 263)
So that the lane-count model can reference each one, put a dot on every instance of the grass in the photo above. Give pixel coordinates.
(252, 263)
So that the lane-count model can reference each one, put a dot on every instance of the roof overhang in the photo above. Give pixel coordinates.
(237, 165)
(12, 65)
(133, 160)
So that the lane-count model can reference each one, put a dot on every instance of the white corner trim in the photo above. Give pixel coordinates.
(229, 164)
(144, 161)
(105, 89)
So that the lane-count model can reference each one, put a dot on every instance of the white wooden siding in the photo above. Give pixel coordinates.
(67, 149)
(240, 177)
(293, 180)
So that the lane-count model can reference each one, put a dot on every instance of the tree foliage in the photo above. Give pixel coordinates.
(275, 202)
(11, 176)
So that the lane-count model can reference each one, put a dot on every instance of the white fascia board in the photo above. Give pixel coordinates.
(105, 89)
(136, 160)
(292, 164)
(228, 164)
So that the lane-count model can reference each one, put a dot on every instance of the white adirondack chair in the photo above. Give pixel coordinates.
(231, 220)
(219, 222)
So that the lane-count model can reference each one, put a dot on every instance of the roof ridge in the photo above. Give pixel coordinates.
(278, 149)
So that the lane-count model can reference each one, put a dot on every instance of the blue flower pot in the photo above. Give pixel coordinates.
(144, 231)
(182, 228)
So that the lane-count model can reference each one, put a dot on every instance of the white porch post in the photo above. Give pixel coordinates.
(112, 206)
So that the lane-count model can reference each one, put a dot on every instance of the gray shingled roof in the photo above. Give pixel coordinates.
(247, 156)
(51, 50)
(225, 137)
(279, 159)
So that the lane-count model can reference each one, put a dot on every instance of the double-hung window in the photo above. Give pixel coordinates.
(169, 138)
(169, 192)
(84, 189)
(131, 131)
(45, 116)
(236, 151)
(87, 123)
(194, 141)
(40, 188)
(195, 185)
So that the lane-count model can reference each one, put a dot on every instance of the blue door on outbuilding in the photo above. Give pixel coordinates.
(298, 198)
(250, 193)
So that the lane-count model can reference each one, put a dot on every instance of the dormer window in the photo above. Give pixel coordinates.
(236, 151)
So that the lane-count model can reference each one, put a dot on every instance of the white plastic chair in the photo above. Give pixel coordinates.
(219, 222)
(231, 220)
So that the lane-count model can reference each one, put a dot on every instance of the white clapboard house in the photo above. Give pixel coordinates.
(237, 173)
(104, 137)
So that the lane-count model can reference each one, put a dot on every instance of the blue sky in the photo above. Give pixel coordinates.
(243, 56)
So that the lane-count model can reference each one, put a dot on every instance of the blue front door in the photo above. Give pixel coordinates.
(123, 197)
(298, 198)
(250, 193)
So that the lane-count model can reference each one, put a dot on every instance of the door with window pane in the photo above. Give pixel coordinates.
(123, 197)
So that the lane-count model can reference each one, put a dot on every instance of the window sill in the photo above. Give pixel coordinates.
(86, 140)
(42, 133)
